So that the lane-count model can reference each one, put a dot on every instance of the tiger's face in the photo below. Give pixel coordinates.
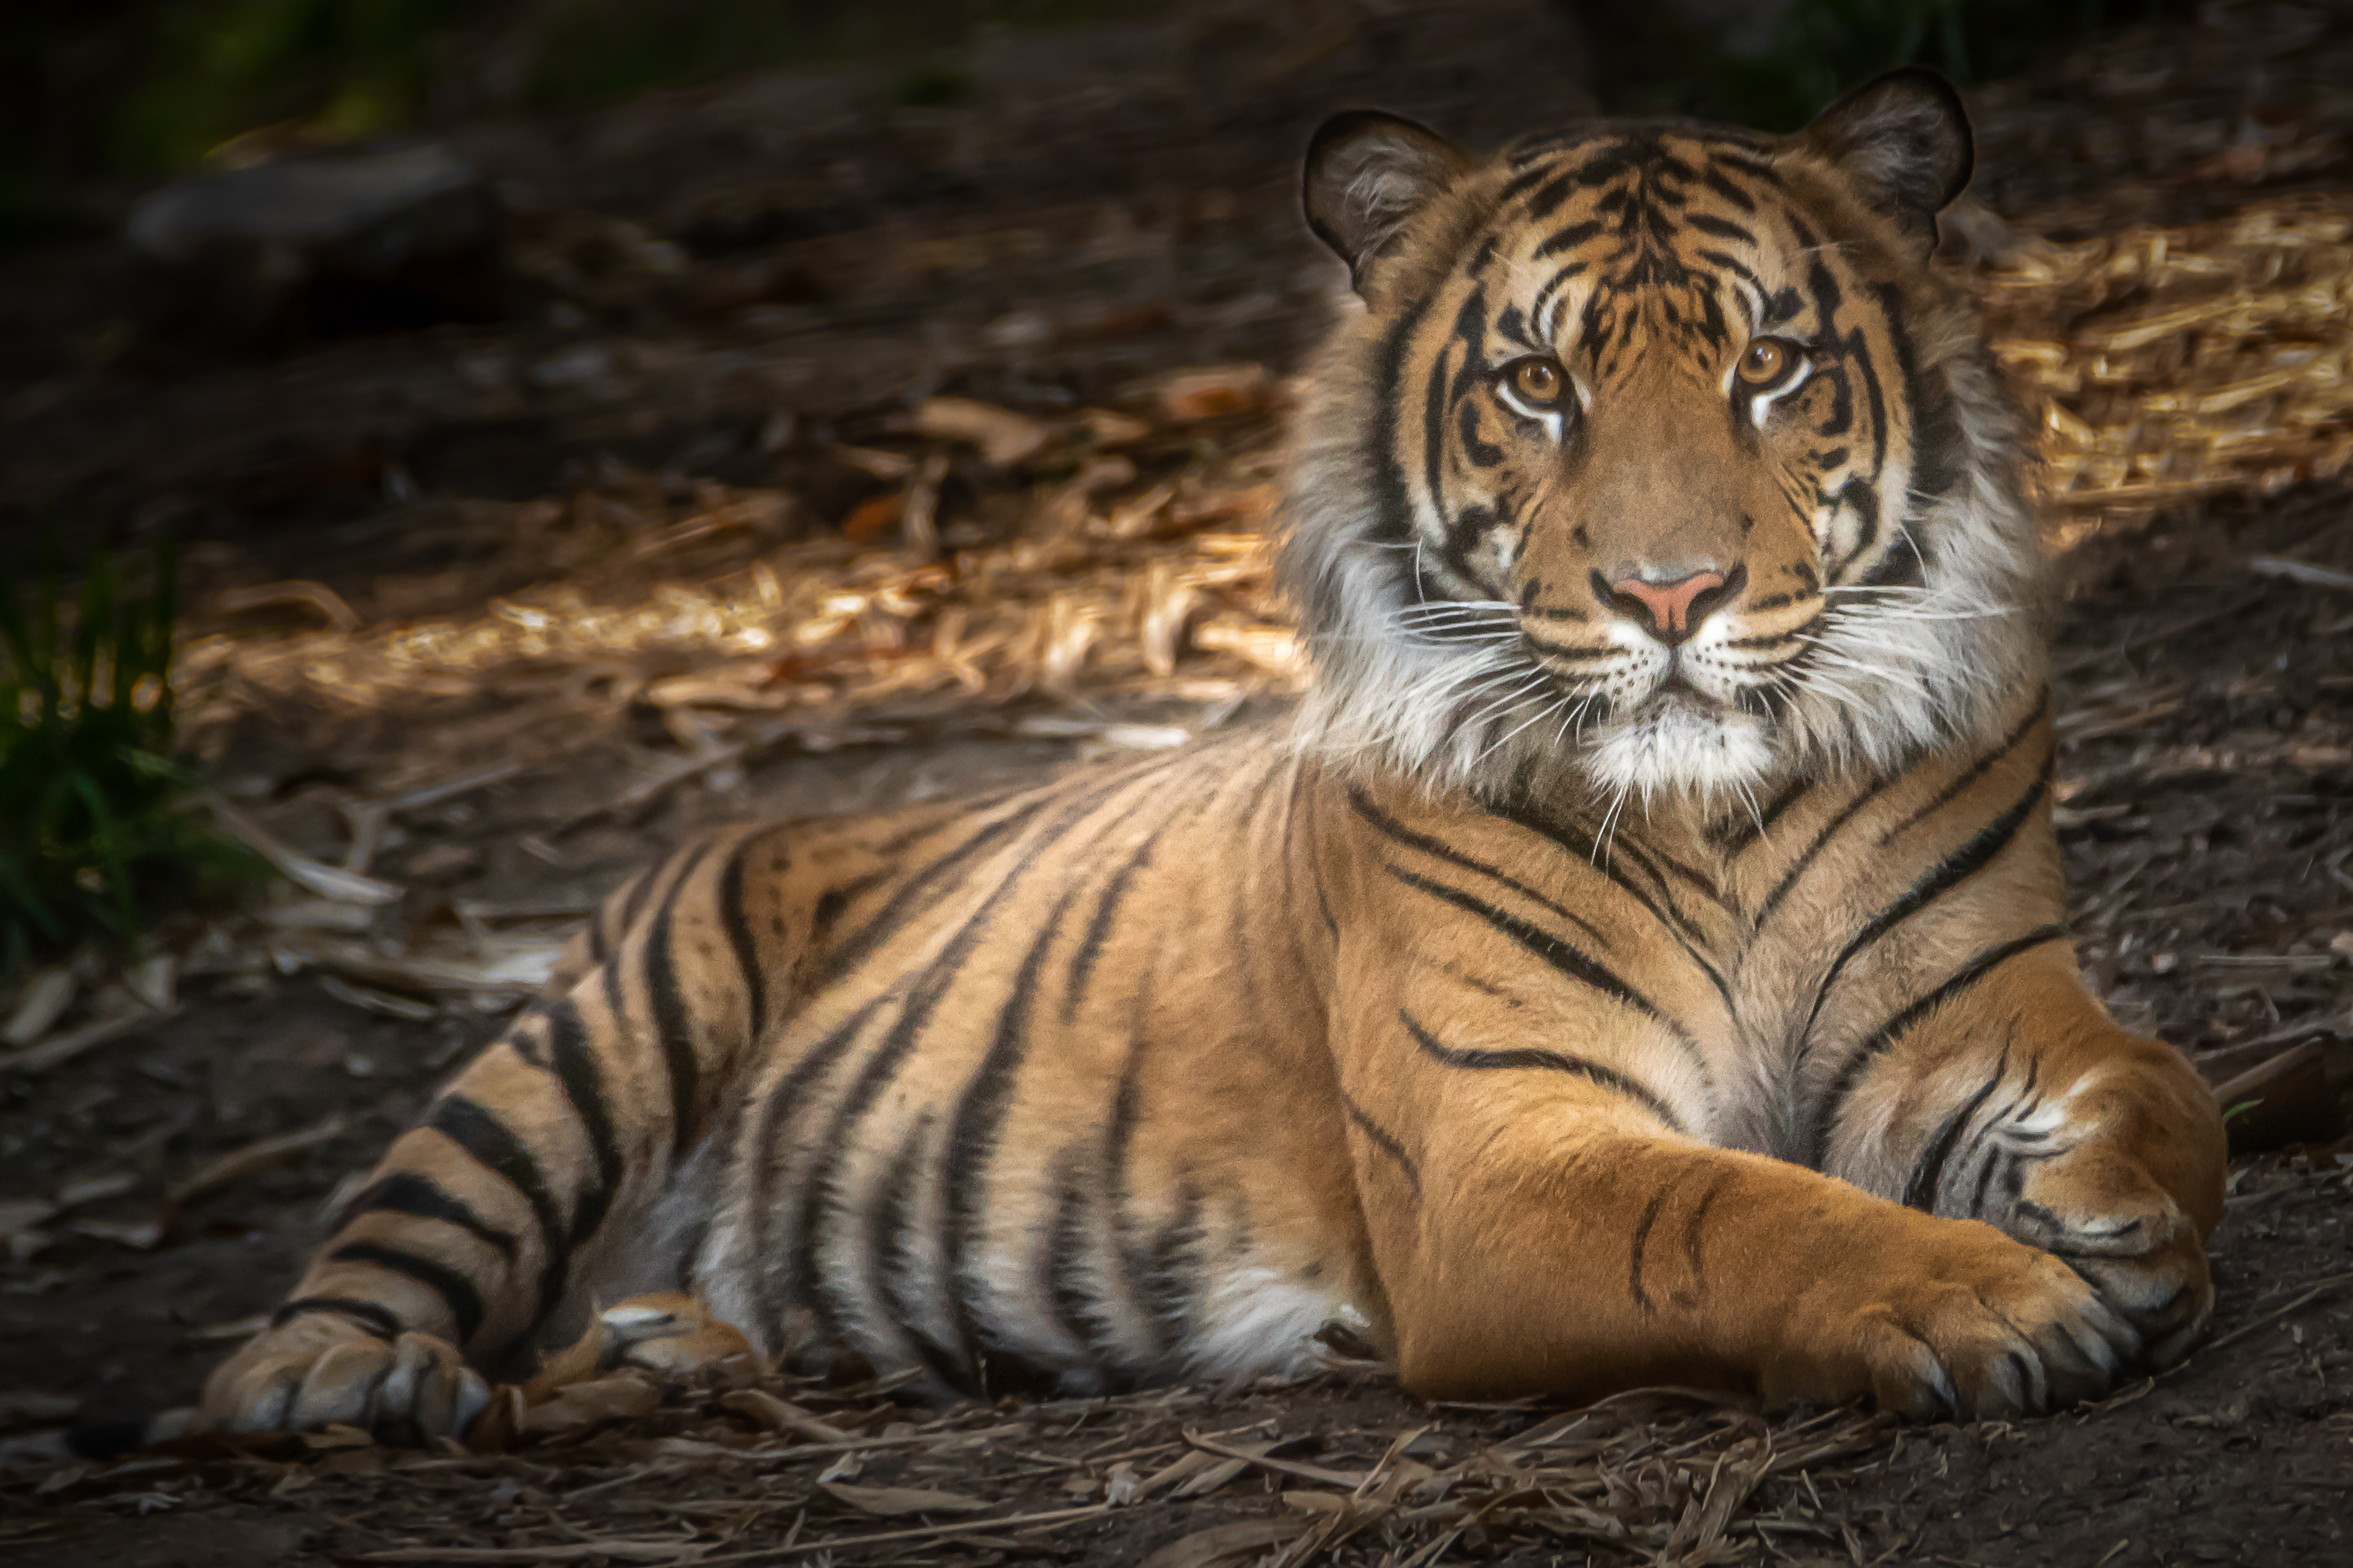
(1658, 452)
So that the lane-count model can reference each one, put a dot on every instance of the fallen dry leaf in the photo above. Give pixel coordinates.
(1187, 396)
(1003, 436)
(23, 1216)
(1220, 1543)
(586, 1403)
(261, 1154)
(782, 1415)
(41, 1003)
(903, 1499)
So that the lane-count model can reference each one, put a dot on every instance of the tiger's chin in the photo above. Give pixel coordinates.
(1679, 746)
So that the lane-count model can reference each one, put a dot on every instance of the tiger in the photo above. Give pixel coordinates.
(1643, 960)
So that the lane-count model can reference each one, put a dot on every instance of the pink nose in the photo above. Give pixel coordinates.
(1669, 604)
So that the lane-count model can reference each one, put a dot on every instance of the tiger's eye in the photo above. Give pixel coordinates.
(1767, 362)
(1538, 380)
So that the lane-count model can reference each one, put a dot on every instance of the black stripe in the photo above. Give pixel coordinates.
(2023, 1097)
(1386, 1141)
(1693, 1263)
(915, 895)
(1641, 1241)
(1119, 1146)
(1928, 1172)
(632, 900)
(821, 1182)
(738, 927)
(1399, 832)
(572, 1058)
(889, 1261)
(779, 1287)
(1577, 965)
(1805, 856)
(1714, 179)
(1740, 832)
(405, 1192)
(973, 1138)
(886, 1060)
(1081, 974)
(1723, 228)
(1585, 848)
(1887, 1034)
(1537, 1058)
(673, 1028)
(368, 1315)
(457, 1292)
(1173, 1276)
(1949, 873)
(1976, 771)
(490, 1144)
(1569, 238)
(1060, 1264)
(1393, 516)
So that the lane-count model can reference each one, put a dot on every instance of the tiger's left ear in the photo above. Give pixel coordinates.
(1367, 172)
(1904, 140)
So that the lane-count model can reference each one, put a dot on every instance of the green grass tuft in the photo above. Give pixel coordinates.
(97, 836)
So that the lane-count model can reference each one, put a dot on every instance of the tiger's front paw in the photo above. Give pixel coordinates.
(1959, 1321)
(321, 1368)
(2099, 1211)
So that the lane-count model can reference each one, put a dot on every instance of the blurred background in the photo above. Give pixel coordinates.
(449, 451)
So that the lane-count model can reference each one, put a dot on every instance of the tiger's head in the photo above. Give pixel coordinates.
(1656, 452)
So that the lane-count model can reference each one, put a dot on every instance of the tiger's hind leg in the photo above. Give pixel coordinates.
(542, 1167)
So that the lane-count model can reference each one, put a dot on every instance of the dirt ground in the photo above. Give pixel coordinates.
(1043, 246)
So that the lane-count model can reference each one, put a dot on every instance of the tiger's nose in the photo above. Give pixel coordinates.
(1672, 610)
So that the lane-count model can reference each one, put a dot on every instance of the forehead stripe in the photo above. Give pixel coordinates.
(1570, 238)
(1712, 178)
(1723, 228)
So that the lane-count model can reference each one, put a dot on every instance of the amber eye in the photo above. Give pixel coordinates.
(1768, 362)
(1536, 382)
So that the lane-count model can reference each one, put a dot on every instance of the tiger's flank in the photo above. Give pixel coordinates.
(1644, 962)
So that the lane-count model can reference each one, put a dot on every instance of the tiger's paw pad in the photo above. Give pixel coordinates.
(317, 1371)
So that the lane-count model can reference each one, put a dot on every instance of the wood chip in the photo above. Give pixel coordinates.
(1260, 1460)
(2303, 572)
(892, 1500)
(313, 876)
(1003, 436)
(311, 596)
(59, 1049)
(587, 1403)
(1224, 1543)
(782, 1415)
(41, 1003)
(261, 1154)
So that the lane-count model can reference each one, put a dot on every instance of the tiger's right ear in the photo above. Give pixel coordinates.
(1367, 172)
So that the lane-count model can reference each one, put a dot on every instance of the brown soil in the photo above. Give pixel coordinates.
(2206, 777)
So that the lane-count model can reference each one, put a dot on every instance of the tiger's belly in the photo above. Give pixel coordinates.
(1073, 1126)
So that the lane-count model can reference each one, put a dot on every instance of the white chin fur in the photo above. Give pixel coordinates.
(1680, 748)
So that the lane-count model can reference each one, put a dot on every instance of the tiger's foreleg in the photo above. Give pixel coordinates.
(2020, 1104)
(1542, 1219)
(540, 1161)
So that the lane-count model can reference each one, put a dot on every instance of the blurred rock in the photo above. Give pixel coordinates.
(256, 259)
